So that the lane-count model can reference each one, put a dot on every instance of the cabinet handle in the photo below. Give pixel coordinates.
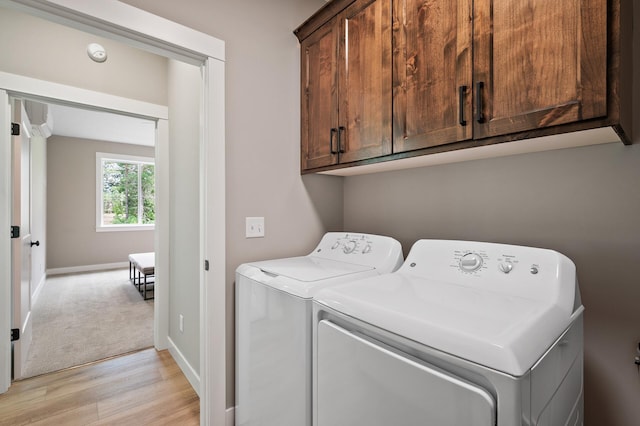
(461, 92)
(333, 131)
(479, 114)
(340, 148)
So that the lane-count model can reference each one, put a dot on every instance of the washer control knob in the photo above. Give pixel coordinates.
(335, 245)
(349, 247)
(505, 267)
(470, 262)
(534, 269)
(366, 249)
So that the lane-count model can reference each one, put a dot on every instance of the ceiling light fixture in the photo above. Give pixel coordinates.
(96, 52)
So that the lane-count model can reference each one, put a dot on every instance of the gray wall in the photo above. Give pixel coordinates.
(262, 132)
(184, 220)
(44, 50)
(583, 202)
(72, 239)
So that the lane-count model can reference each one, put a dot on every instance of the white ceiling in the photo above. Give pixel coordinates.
(99, 125)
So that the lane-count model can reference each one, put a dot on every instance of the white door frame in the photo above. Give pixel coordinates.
(110, 18)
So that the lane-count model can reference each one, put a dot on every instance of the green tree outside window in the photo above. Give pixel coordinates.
(128, 193)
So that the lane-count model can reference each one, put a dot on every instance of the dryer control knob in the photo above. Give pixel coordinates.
(366, 249)
(471, 262)
(349, 247)
(505, 267)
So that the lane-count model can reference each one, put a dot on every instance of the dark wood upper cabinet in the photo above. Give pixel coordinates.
(319, 116)
(432, 74)
(346, 86)
(538, 64)
(365, 80)
(391, 79)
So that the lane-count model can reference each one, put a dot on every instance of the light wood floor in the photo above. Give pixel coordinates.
(143, 388)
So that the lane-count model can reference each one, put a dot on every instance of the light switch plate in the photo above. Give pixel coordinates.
(254, 227)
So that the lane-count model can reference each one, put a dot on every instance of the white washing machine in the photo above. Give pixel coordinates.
(464, 333)
(273, 322)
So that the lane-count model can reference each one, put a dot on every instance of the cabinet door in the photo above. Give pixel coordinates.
(365, 80)
(319, 109)
(538, 63)
(432, 76)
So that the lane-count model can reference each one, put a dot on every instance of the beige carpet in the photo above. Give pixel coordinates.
(81, 318)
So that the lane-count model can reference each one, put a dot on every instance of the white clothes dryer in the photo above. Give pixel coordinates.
(464, 333)
(273, 322)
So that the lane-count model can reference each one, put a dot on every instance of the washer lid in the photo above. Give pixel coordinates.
(309, 269)
(504, 332)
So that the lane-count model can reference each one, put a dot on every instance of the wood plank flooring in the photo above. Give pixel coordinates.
(143, 388)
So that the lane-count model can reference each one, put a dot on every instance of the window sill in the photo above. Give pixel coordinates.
(121, 228)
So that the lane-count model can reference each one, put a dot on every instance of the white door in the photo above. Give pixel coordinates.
(5, 241)
(21, 247)
(364, 382)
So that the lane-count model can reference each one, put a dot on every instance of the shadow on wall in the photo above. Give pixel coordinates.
(609, 369)
(326, 195)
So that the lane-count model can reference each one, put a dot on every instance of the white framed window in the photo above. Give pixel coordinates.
(125, 192)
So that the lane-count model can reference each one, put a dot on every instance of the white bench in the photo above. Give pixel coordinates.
(142, 264)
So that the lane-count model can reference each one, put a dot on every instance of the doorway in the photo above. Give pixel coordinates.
(84, 308)
(141, 28)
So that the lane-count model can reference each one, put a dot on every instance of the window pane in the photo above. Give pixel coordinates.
(148, 194)
(120, 192)
(110, 196)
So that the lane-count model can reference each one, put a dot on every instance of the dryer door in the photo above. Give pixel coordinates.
(360, 382)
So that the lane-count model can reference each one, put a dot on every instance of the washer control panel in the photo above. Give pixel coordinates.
(364, 249)
(354, 244)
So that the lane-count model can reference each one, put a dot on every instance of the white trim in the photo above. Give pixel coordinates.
(123, 158)
(162, 237)
(38, 289)
(123, 228)
(26, 337)
(596, 136)
(5, 243)
(230, 416)
(187, 369)
(32, 88)
(213, 247)
(87, 268)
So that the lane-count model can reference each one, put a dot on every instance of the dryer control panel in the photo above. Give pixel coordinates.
(528, 272)
(380, 252)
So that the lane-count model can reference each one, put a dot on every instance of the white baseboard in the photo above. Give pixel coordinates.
(38, 289)
(230, 416)
(87, 268)
(187, 370)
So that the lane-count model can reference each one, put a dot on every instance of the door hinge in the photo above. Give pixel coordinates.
(15, 334)
(15, 129)
(15, 232)
(206, 265)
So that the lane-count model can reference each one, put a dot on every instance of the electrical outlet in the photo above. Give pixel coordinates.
(254, 227)
(181, 323)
